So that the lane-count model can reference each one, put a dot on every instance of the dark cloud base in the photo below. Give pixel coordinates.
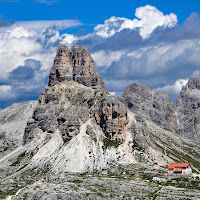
(23, 82)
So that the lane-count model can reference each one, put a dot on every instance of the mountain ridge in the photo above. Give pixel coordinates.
(182, 117)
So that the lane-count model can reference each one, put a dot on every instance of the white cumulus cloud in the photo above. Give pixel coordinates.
(27, 40)
(18, 32)
(14, 51)
(103, 58)
(149, 18)
(175, 88)
(68, 38)
(5, 91)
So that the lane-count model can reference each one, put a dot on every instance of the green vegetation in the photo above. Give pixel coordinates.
(185, 154)
(66, 140)
(136, 146)
(25, 179)
(4, 194)
(185, 158)
(183, 182)
(146, 176)
(111, 143)
(20, 157)
(5, 148)
(109, 184)
(77, 181)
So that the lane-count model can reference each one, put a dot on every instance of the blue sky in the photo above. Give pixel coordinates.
(90, 12)
(153, 42)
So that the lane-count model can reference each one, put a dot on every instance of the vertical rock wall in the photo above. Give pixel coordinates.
(182, 117)
(75, 95)
(188, 109)
(76, 65)
(152, 105)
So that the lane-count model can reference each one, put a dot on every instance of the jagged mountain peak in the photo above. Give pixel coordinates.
(134, 87)
(182, 118)
(67, 105)
(188, 109)
(75, 65)
(76, 108)
(193, 83)
(150, 104)
(137, 88)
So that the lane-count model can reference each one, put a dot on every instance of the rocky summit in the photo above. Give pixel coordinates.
(152, 105)
(75, 95)
(188, 110)
(75, 65)
(76, 108)
(79, 142)
(182, 117)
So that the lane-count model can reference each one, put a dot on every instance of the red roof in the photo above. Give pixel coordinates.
(174, 165)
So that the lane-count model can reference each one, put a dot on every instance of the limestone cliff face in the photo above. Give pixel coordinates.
(75, 95)
(182, 118)
(76, 119)
(152, 105)
(68, 105)
(13, 120)
(188, 109)
(75, 65)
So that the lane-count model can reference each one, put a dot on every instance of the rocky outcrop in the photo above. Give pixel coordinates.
(68, 105)
(13, 120)
(182, 118)
(188, 109)
(76, 119)
(76, 94)
(75, 65)
(149, 104)
(112, 117)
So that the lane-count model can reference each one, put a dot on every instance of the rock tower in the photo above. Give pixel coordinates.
(75, 65)
(76, 94)
(188, 109)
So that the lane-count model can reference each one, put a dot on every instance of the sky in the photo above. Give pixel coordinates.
(152, 42)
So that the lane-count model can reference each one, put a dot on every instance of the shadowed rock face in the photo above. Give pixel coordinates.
(188, 109)
(182, 117)
(75, 65)
(152, 105)
(75, 95)
(67, 105)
